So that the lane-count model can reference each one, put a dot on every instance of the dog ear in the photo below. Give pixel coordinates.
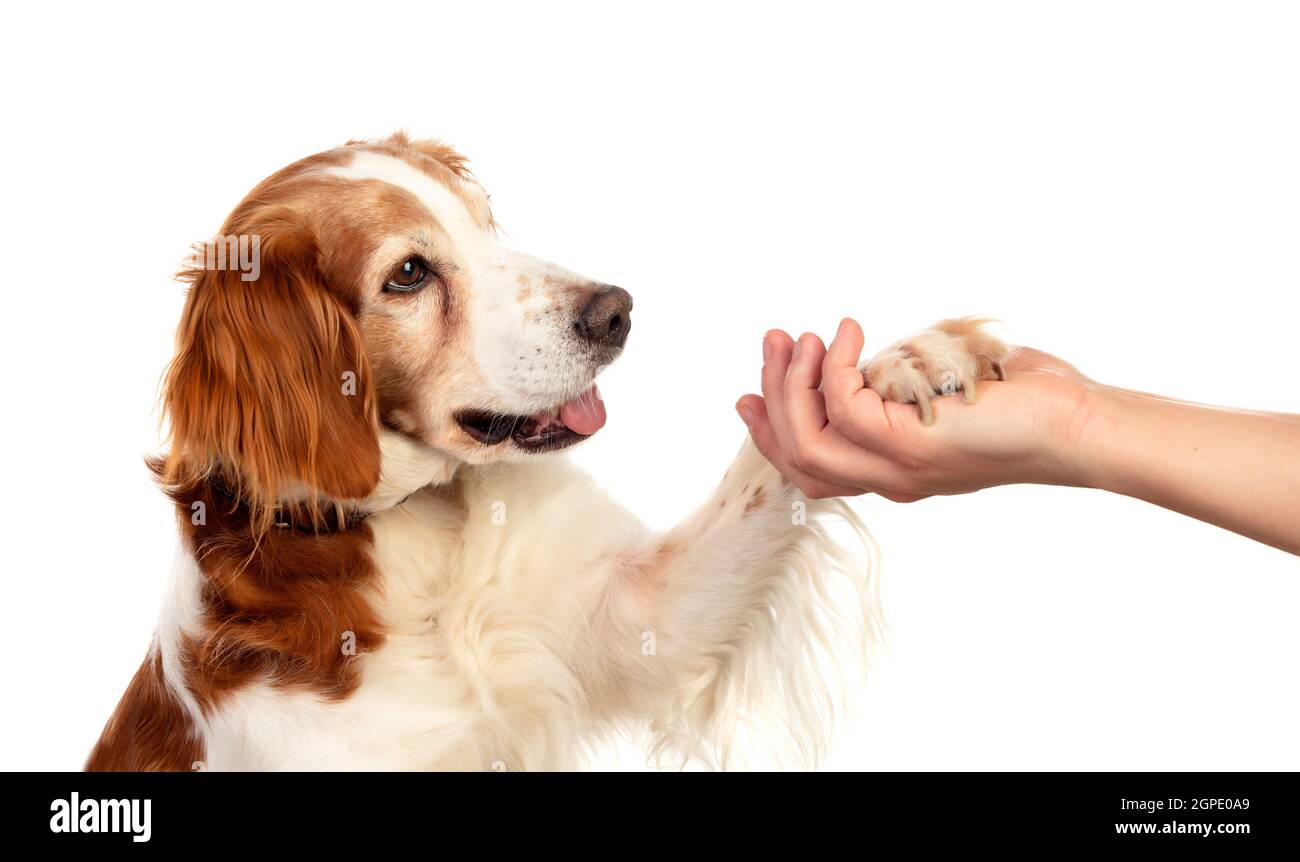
(269, 387)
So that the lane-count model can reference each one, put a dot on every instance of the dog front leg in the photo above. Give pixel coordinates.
(736, 612)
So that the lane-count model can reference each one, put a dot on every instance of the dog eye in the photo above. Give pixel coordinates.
(408, 278)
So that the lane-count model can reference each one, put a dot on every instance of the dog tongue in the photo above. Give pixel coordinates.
(584, 414)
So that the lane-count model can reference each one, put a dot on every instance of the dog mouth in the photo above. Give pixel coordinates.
(568, 423)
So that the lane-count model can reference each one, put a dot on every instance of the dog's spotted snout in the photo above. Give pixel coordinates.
(606, 318)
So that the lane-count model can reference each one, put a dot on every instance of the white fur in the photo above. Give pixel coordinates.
(518, 603)
(181, 614)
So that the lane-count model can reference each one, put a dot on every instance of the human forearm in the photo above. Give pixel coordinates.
(1237, 469)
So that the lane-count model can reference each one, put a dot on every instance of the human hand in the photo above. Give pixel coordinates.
(830, 435)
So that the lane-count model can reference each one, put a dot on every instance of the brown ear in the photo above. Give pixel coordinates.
(269, 386)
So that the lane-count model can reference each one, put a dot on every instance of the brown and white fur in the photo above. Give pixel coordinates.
(372, 577)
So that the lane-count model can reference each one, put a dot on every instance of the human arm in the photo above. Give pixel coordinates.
(830, 434)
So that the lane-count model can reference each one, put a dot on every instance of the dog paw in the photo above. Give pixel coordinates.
(953, 355)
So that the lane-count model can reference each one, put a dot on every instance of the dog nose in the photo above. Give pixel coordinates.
(606, 318)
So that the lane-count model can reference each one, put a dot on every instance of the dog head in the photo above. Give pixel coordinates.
(370, 296)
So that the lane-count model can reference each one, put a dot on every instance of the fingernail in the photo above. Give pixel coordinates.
(797, 347)
(767, 348)
(840, 331)
(746, 416)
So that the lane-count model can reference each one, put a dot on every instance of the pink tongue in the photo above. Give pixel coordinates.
(584, 414)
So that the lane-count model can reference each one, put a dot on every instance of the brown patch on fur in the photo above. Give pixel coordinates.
(441, 162)
(352, 217)
(256, 389)
(263, 428)
(760, 496)
(647, 572)
(277, 606)
(150, 731)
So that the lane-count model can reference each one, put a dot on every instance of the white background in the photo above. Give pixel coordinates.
(1116, 181)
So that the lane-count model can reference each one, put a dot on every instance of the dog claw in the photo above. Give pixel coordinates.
(968, 392)
(927, 411)
(999, 370)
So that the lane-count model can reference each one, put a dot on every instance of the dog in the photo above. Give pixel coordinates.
(382, 565)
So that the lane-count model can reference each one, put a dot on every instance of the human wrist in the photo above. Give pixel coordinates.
(1081, 447)
(1105, 440)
